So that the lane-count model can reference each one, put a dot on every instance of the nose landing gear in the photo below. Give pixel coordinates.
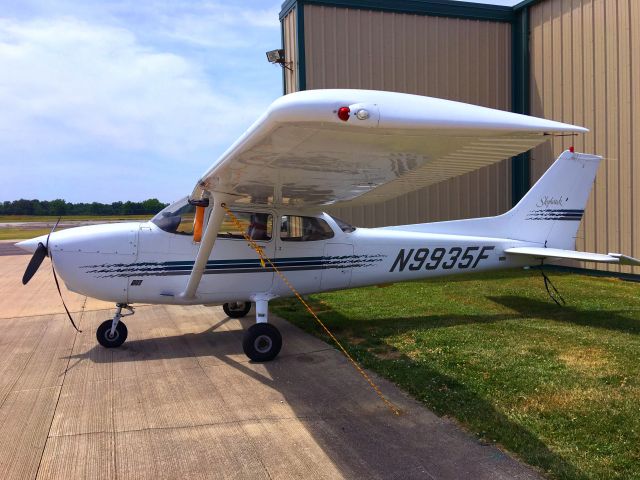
(113, 333)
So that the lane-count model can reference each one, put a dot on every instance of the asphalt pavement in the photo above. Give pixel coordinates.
(9, 248)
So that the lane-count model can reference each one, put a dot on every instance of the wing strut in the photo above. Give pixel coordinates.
(206, 246)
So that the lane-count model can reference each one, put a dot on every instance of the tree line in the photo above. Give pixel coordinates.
(60, 207)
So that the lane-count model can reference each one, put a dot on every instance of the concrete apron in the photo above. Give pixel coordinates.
(180, 400)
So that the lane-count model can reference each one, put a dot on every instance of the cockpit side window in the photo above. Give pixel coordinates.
(257, 225)
(179, 218)
(304, 229)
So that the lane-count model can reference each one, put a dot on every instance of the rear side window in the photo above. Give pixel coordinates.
(304, 229)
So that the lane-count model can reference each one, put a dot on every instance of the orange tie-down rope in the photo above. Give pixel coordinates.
(264, 260)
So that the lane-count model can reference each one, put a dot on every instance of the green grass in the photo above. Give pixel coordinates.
(22, 233)
(559, 387)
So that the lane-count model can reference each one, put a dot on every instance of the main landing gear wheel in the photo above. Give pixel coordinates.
(262, 342)
(236, 309)
(106, 339)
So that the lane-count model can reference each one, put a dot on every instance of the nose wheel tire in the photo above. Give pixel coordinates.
(236, 309)
(103, 334)
(262, 342)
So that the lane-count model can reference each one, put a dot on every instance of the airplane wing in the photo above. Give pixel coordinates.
(541, 253)
(332, 147)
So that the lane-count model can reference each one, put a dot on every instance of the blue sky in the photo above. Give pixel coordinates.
(120, 100)
(105, 100)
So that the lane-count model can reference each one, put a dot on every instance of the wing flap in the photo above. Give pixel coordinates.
(542, 253)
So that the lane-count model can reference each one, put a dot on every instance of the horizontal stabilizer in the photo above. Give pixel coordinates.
(542, 253)
(625, 259)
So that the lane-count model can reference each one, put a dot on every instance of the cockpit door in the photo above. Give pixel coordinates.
(167, 252)
(301, 252)
(234, 266)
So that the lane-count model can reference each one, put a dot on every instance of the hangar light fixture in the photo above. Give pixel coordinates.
(277, 57)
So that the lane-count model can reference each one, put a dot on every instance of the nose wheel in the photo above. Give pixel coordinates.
(108, 339)
(113, 333)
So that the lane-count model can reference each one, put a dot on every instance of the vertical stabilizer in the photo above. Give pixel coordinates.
(551, 211)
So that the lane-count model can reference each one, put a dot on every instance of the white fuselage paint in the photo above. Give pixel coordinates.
(140, 263)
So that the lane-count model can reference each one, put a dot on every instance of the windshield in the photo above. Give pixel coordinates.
(344, 226)
(177, 217)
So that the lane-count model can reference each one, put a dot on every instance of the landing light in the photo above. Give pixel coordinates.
(362, 114)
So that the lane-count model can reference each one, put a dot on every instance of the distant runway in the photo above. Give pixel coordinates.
(9, 248)
(63, 223)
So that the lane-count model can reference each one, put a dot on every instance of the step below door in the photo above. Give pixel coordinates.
(336, 273)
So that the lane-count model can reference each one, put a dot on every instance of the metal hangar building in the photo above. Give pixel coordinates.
(575, 61)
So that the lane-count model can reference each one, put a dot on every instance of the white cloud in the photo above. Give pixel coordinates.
(67, 82)
(108, 100)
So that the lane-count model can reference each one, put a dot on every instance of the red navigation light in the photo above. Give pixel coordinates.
(343, 113)
(571, 149)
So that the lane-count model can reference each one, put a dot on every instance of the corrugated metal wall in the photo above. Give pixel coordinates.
(290, 52)
(585, 69)
(458, 59)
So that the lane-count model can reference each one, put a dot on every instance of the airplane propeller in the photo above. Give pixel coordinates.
(38, 256)
(35, 262)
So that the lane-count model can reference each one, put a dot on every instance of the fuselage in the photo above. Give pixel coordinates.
(142, 263)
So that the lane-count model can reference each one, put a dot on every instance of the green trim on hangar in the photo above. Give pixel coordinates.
(517, 16)
(520, 98)
(440, 8)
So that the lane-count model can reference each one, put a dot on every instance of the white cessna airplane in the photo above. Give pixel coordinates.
(309, 152)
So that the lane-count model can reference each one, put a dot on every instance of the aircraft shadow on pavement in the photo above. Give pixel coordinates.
(353, 429)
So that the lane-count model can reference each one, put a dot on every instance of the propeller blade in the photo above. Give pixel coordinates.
(34, 263)
(55, 278)
(54, 227)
